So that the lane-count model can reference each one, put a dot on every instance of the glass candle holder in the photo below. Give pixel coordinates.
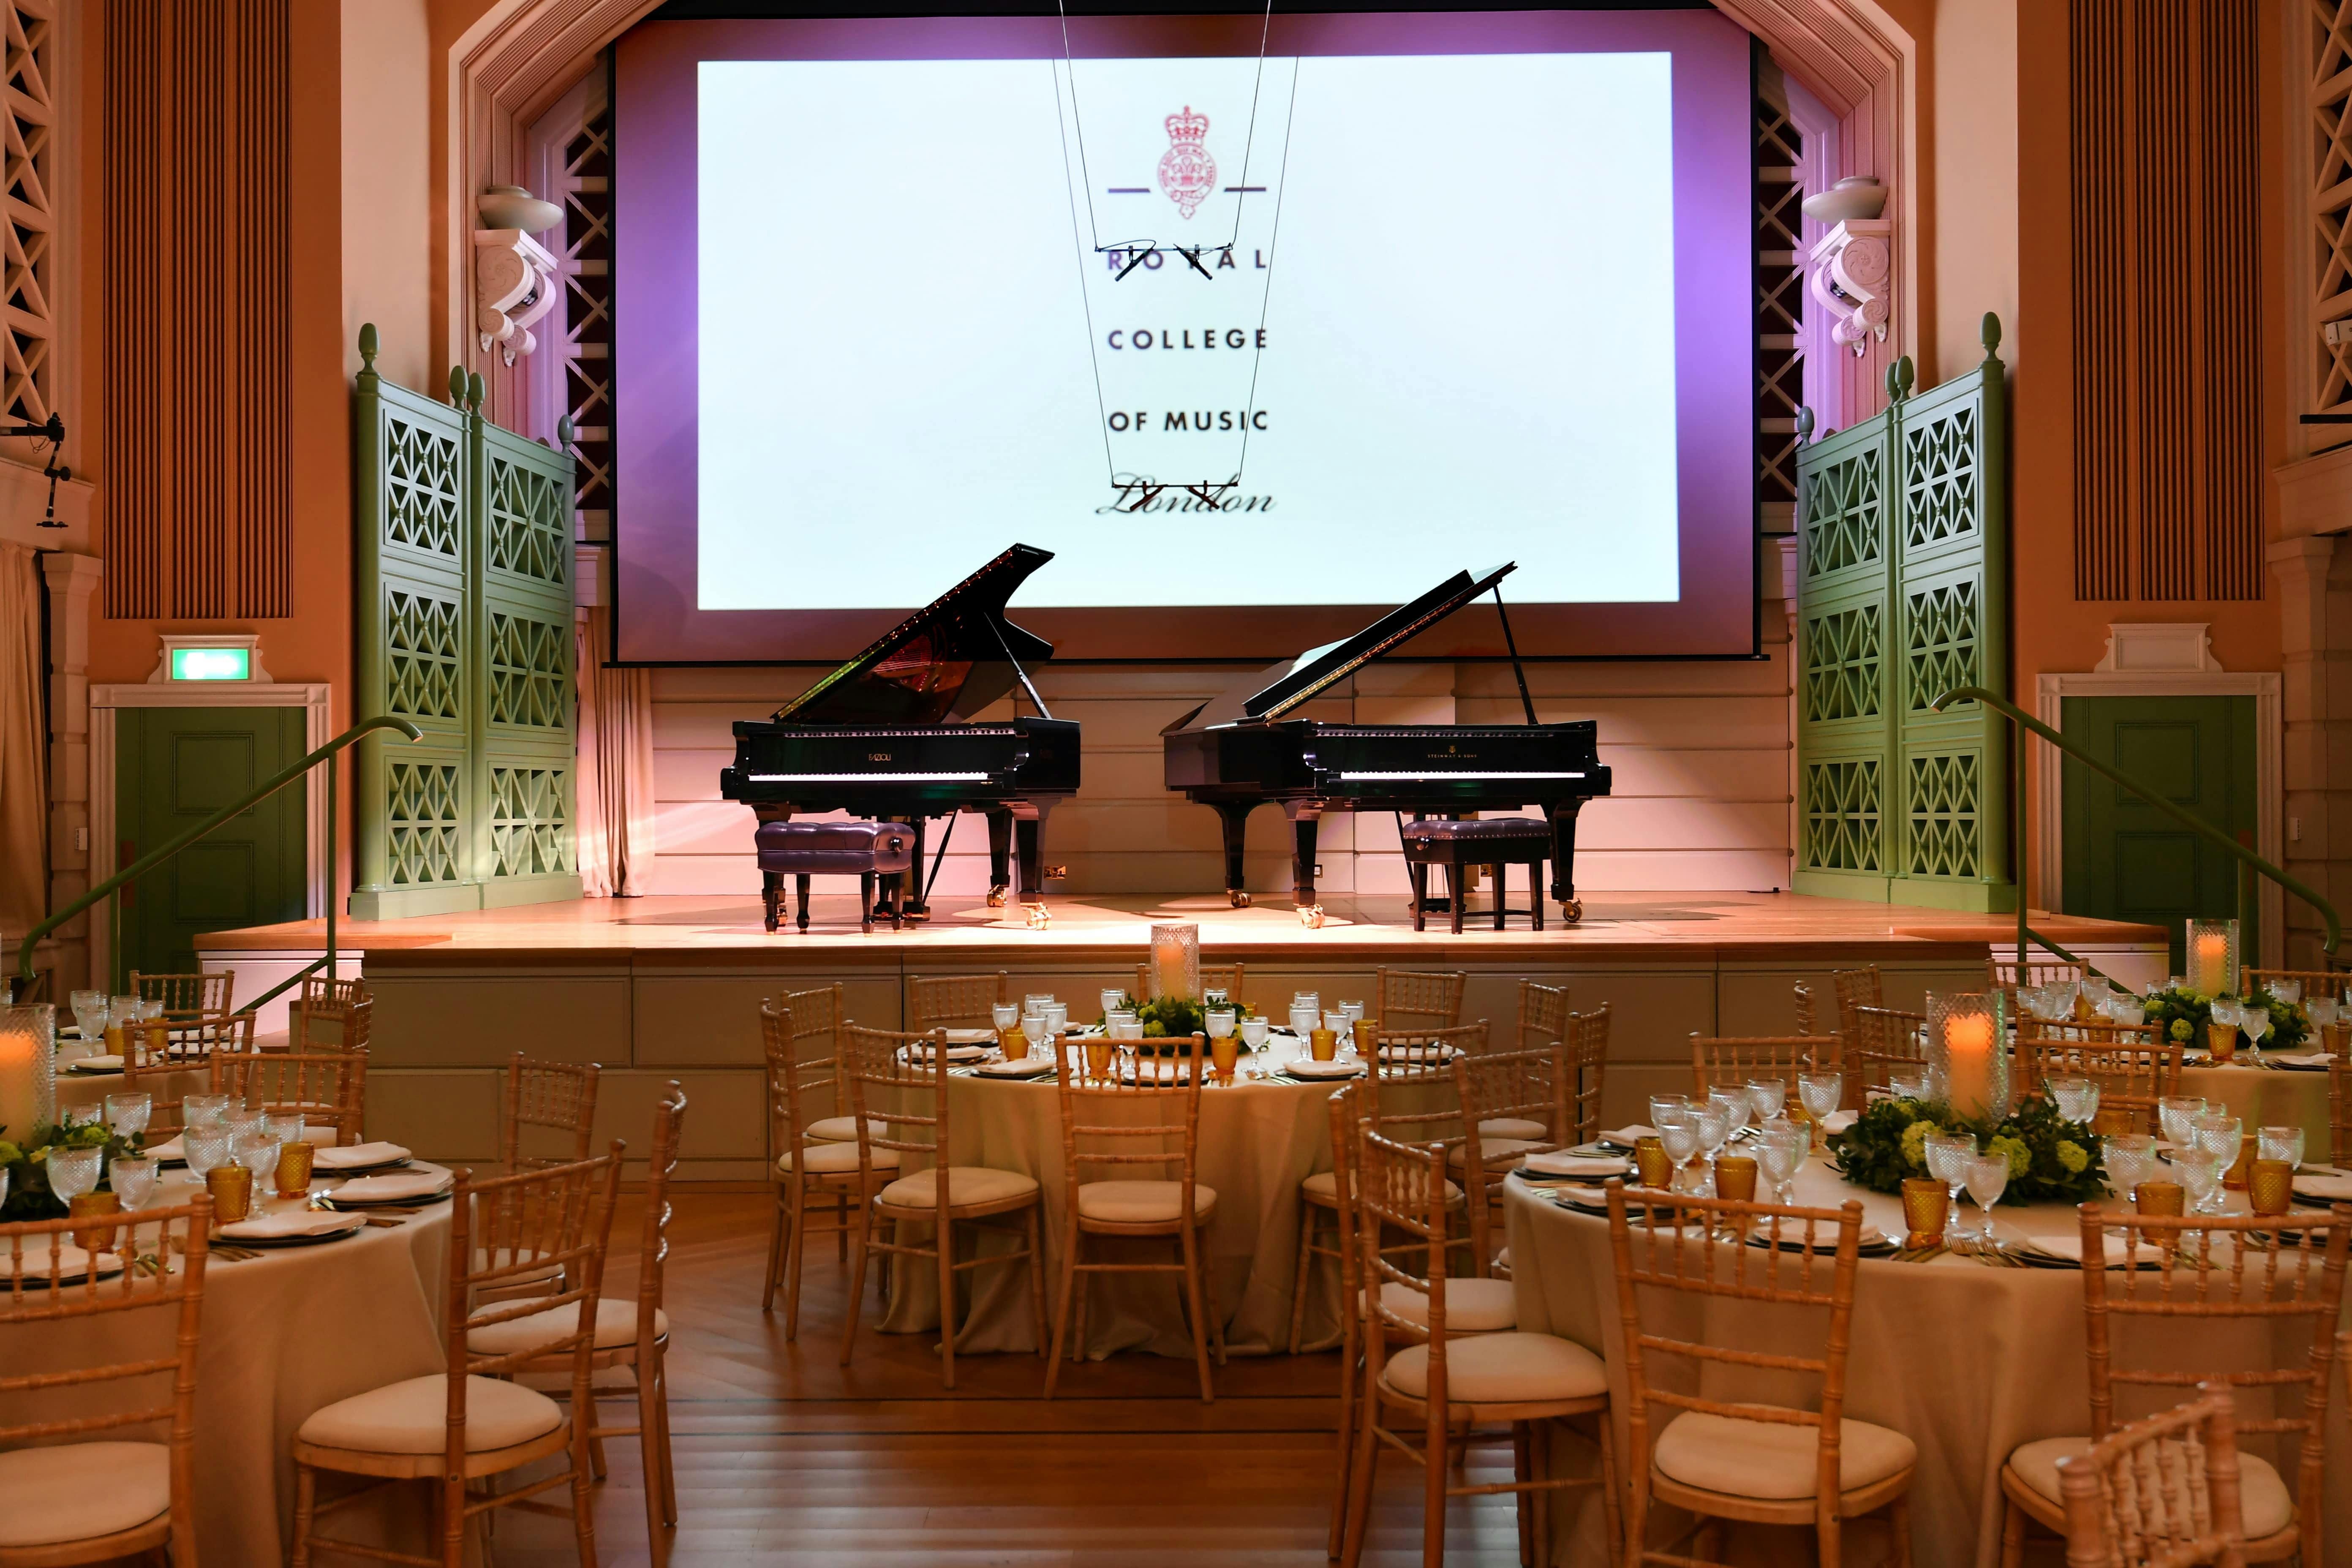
(1965, 1056)
(1734, 1178)
(2211, 947)
(231, 1187)
(1927, 1210)
(1650, 1160)
(1175, 960)
(28, 1072)
(2270, 1186)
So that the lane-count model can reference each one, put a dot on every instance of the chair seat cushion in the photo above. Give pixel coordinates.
(1497, 1152)
(1472, 1306)
(830, 848)
(1143, 1203)
(1765, 1459)
(843, 1129)
(966, 1184)
(616, 1325)
(2264, 1504)
(1495, 1127)
(413, 1417)
(1502, 1368)
(1483, 827)
(79, 1492)
(833, 1159)
(1324, 1185)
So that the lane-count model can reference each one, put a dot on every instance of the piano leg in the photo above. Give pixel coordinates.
(909, 905)
(801, 881)
(1027, 828)
(1234, 815)
(999, 857)
(771, 897)
(1563, 861)
(1304, 819)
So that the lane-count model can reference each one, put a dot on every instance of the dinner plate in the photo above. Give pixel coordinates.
(420, 1186)
(2326, 1189)
(1310, 1069)
(360, 1159)
(1027, 1067)
(1872, 1243)
(294, 1227)
(96, 1067)
(74, 1266)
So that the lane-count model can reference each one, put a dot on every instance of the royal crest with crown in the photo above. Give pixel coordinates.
(1187, 173)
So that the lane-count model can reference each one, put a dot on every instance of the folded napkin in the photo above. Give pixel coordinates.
(954, 1053)
(95, 1064)
(292, 1223)
(1306, 1067)
(2327, 1189)
(1629, 1136)
(1023, 1066)
(970, 1036)
(1563, 1164)
(72, 1263)
(2300, 1058)
(359, 1156)
(1576, 1195)
(394, 1189)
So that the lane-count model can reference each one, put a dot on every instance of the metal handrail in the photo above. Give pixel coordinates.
(2250, 864)
(252, 798)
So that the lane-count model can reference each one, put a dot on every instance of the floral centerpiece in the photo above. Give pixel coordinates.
(2184, 1015)
(27, 1165)
(2051, 1158)
(1181, 1016)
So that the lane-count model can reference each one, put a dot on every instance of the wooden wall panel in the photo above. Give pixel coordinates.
(2165, 139)
(194, 192)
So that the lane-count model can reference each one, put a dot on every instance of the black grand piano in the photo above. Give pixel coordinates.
(889, 735)
(1240, 751)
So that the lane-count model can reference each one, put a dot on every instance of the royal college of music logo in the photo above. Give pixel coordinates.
(1187, 173)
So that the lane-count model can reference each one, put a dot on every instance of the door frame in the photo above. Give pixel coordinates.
(2166, 659)
(106, 701)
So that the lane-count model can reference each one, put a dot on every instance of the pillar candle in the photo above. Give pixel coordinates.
(2209, 966)
(1968, 1054)
(1168, 967)
(20, 1094)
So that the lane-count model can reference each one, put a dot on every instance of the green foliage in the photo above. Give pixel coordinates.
(2185, 1014)
(2051, 1158)
(27, 1165)
(1181, 1016)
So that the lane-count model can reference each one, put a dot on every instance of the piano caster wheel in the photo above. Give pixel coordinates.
(1312, 917)
(1039, 919)
(1571, 909)
(996, 896)
(1240, 899)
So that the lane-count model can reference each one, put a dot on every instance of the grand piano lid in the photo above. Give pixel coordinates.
(1269, 693)
(947, 662)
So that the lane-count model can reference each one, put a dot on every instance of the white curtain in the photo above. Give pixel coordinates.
(615, 793)
(24, 785)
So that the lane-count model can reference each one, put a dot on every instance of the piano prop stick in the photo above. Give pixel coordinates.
(890, 736)
(1246, 749)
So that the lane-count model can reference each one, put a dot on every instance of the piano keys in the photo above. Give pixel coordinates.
(889, 735)
(1243, 751)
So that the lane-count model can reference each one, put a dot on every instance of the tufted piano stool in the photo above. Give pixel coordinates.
(863, 849)
(1496, 841)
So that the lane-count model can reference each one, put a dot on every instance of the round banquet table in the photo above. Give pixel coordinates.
(283, 1334)
(1967, 1361)
(87, 1092)
(2267, 1096)
(1259, 1139)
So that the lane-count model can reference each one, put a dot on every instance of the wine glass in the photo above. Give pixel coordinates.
(2322, 1011)
(1678, 1132)
(1781, 1150)
(1988, 1178)
(1255, 1032)
(258, 1151)
(1307, 1002)
(1947, 1155)
(201, 1109)
(132, 1177)
(2280, 1144)
(90, 1015)
(2131, 1160)
(2199, 1170)
(2256, 1023)
(73, 1172)
(1734, 1106)
(2077, 1099)
(1714, 1121)
(1303, 1018)
(2287, 990)
(1057, 1018)
(1004, 1014)
(1765, 1096)
(2219, 1133)
(287, 1127)
(127, 1114)
(1819, 1093)
(1664, 1105)
(1354, 1011)
(1908, 1082)
(206, 1147)
(2173, 1113)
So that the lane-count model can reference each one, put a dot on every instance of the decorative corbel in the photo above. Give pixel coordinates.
(515, 279)
(1850, 271)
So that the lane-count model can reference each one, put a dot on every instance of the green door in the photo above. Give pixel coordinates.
(174, 767)
(2127, 862)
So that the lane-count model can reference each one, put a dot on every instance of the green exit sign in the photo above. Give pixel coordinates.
(212, 664)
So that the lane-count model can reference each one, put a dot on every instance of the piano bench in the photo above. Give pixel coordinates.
(1496, 841)
(862, 850)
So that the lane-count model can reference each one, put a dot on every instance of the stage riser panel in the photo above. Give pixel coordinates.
(443, 1033)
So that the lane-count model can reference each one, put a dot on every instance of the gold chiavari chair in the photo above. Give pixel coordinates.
(1588, 1061)
(557, 1097)
(67, 1494)
(1855, 988)
(2339, 1110)
(2314, 981)
(1225, 977)
(320, 1011)
(1447, 1383)
(632, 1332)
(1543, 1014)
(807, 1172)
(1419, 1058)
(2190, 1287)
(453, 1428)
(2003, 975)
(888, 1071)
(1731, 1459)
(819, 1015)
(186, 998)
(1809, 1010)
(166, 1066)
(2133, 1064)
(2160, 1493)
(1881, 1040)
(1117, 1122)
(328, 1089)
(1418, 999)
(955, 1001)
(1530, 1091)
(1718, 1062)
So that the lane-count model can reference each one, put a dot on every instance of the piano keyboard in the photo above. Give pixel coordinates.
(1449, 774)
(867, 778)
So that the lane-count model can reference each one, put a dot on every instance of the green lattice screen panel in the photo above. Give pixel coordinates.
(465, 588)
(1903, 527)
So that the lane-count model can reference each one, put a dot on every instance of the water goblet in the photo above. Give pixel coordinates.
(2256, 1023)
(1303, 1020)
(1662, 1105)
(1255, 1032)
(73, 1172)
(89, 1013)
(1354, 1010)
(200, 1110)
(2280, 1144)
(1307, 1002)
(1734, 1106)
(1947, 1155)
(1111, 998)
(2219, 1133)
(1819, 1093)
(2287, 990)
(1781, 1150)
(1908, 1083)
(1679, 1134)
(1714, 1121)
(132, 1177)
(286, 1127)
(2131, 1160)
(1765, 1096)
(2199, 1172)
(206, 1147)
(2077, 1099)
(2172, 1114)
(127, 1114)
(1988, 1178)
(1057, 1018)
(257, 1152)
(2322, 1011)
(1004, 1015)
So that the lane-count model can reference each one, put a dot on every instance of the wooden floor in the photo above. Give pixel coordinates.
(786, 1458)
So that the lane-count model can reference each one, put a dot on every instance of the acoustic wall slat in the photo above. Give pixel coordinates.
(2164, 162)
(197, 234)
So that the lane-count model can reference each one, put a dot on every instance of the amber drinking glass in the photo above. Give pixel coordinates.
(1734, 1178)
(2162, 1199)
(2270, 1186)
(294, 1168)
(90, 1203)
(1649, 1158)
(1222, 1050)
(231, 1187)
(1927, 1210)
(1323, 1045)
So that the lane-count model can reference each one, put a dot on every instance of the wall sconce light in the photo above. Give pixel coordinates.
(515, 276)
